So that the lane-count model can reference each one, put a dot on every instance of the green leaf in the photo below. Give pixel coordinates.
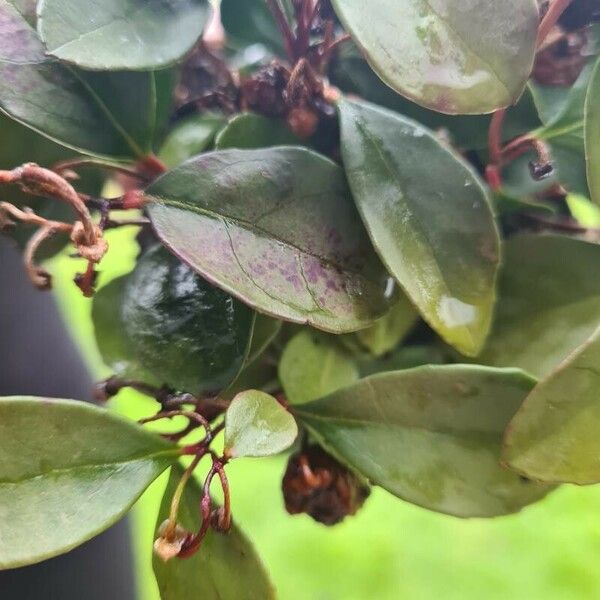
(586, 213)
(249, 130)
(429, 218)
(353, 75)
(191, 136)
(469, 57)
(592, 134)
(390, 330)
(554, 436)
(260, 374)
(562, 111)
(265, 331)
(507, 204)
(249, 22)
(549, 302)
(109, 35)
(109, 328)
(297, 251)
(312, 366)
(405, 357)
(68, 471)
(431, 436)
(106, 114)
(226, 567)
(257, 425)
(186, 332)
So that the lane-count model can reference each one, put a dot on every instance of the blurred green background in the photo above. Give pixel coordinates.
(391, 550)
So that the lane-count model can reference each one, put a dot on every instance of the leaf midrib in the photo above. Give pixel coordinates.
(174, 452)
(253, 228)
(392, 425)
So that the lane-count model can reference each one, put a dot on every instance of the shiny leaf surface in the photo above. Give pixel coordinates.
(186, 332)
(549, 302)
(353, 75)
(121, 34)
(68, 471)
(110, 114)
(554, 436)
(297, 251)
(109, 328)
(431, 436)
(312, 366)
(429, 218)
(226, 568)
(468, 57)
(257, 425)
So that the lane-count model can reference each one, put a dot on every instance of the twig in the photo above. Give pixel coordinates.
(284, 27)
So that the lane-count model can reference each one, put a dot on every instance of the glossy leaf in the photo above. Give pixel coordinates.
(592, 134)
(109, 328)
(429, 218)
(257, 425)
(249, 130)
(68, 471)
(226, 568)
(549, 302)
(137, 35)
(297, 251)
(391, 329)
(312, 366)
(189, 137)
(468, 57)
(353, 75)
(554, 436)
(186, 332)
(431, 436)
(111, 114)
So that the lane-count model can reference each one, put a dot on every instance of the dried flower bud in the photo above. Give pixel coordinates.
(317, 484)
(170, 542)
(263, 92)
(540, 170)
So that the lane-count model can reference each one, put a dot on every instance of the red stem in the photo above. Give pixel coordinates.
(284, 27)
(495, 136)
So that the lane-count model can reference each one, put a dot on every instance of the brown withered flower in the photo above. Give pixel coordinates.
(317, 484)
